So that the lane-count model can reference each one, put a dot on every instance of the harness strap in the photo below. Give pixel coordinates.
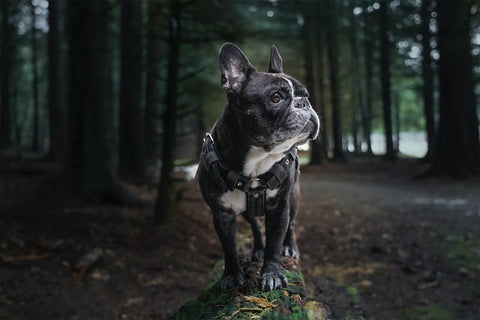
(230, 180)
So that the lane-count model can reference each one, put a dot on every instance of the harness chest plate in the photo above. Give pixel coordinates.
(256, 202)
(229, 180)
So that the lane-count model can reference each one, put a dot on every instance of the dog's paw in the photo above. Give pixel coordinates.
(273, 278)
(291, 251)
(257, 255)
(231, 281)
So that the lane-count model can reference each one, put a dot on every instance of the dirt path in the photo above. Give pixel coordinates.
(409, 247)
(372, 239)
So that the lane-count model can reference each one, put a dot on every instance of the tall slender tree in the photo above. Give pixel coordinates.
(357, 92)
(91, 154)
(163, 205)
(319, 147)
(385, 78)
(36, 105)
(152, 79)
(427, 75)
(367, 110)
(6, 64)
(55, 108)
(131, 162)
(332, 54)
(457, 150)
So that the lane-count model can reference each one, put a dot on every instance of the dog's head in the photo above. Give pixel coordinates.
(272, 107)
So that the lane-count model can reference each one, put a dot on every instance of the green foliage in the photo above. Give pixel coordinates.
(463, 251)
(433, 312)
(239, 304)
(355, 294)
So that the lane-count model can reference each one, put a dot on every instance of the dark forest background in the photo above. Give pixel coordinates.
(116, 91)
(103, 107)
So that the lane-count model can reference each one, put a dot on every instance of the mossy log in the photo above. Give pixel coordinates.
(249, 302)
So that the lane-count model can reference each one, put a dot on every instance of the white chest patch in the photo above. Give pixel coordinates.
(257, 162)
(235, 200)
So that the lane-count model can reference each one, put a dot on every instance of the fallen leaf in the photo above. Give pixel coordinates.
(260, 302)
(134, 301)
(154, 282)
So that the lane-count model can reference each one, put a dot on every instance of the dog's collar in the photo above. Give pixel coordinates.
(229, 180)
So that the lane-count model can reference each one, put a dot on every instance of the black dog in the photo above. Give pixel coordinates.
(249, 163)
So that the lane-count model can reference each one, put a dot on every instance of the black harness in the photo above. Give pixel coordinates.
(230, 180)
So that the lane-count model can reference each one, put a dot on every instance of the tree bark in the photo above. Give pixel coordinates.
(249, 302)
(131, 164)
(36, 106)
(6, 60)
(332, 53)
(163, 205)
(151, 93)
(90, 158)
(319, 147)
(457, 151)
(427, 73)
(367, 111)
(357, 92)
(55, 108)
(385, 79)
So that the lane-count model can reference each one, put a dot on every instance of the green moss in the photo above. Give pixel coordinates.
(434, 312)
(232, 304)
(462, 251)
(355, 294)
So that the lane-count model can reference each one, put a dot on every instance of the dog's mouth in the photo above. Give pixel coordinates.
(314, 123)
(310, 131)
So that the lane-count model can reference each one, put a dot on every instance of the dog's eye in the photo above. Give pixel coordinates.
(276, 97)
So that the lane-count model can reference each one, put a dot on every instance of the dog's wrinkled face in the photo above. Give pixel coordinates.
(272, 107)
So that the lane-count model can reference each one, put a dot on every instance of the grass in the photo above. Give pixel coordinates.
(434, 312)
(463, 251)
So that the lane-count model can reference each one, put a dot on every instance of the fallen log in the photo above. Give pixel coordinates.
(86, 262)
(26, 258)
(248, 302)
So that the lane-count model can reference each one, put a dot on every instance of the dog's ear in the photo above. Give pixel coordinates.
(276, 64)
(234, 67)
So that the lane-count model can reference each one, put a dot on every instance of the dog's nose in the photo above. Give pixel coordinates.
(301, 102)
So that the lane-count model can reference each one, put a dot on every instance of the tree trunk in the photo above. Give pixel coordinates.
(357, 92)
(35, 129)
(6, 60)
(163, 205)
(201, 127)
(396, 108)
(249, 302)
(152, 75)
(457, 151)
(332, 53)
(427, 73)
(310, 62)
(90, 161)
(385, 79)
(131, 164)
(319, 147)
(55, 109)
(367, 111)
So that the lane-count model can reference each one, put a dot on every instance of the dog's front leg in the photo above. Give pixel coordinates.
(276, 224)
(226, 227)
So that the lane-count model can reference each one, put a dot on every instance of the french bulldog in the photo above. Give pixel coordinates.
(249, 165)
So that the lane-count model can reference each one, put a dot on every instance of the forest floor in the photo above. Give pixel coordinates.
(372, 238)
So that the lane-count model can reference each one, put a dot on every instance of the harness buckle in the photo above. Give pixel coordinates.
(208, 136)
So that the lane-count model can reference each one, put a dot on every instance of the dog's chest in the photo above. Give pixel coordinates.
(257, 162)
